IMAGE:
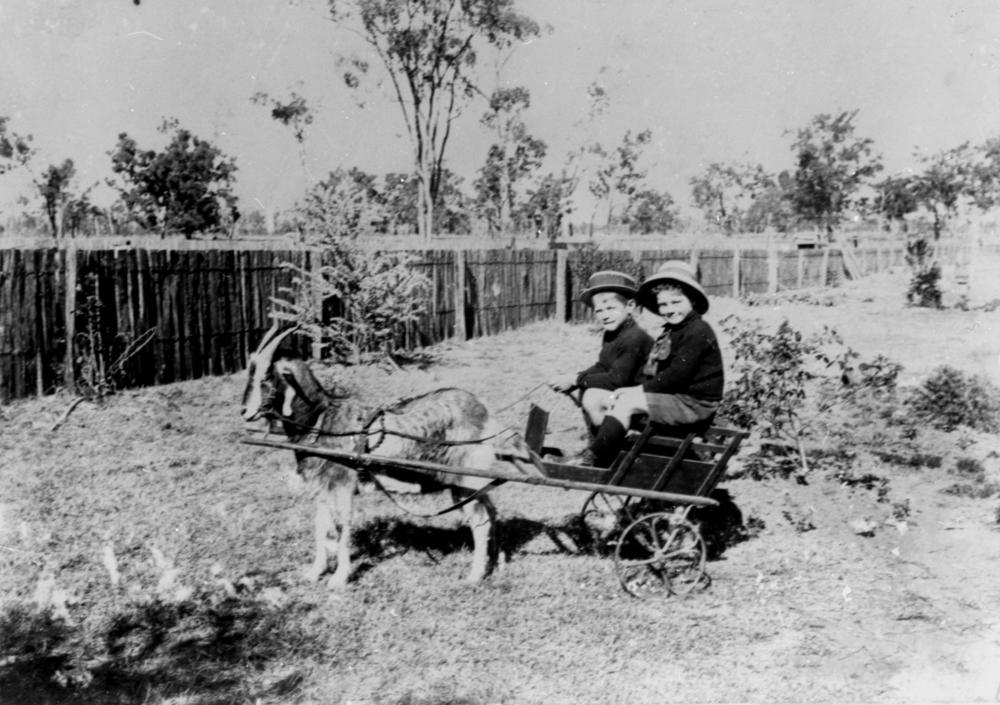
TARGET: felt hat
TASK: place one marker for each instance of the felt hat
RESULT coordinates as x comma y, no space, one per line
675,272
617,282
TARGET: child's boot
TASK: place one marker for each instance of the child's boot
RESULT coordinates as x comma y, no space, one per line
604,448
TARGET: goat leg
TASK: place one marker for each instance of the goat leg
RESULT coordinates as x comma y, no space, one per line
342,498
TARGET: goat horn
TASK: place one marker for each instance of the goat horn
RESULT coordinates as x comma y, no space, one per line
271,332
266,352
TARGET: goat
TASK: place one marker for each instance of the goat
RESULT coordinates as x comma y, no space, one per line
284,388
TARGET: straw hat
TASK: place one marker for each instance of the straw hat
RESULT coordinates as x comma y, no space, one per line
675,272
617,282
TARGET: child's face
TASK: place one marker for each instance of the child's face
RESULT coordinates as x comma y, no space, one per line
673,305
611,310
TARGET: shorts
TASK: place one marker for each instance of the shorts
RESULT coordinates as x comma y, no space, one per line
675,409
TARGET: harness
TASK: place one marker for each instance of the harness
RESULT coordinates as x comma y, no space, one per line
363,445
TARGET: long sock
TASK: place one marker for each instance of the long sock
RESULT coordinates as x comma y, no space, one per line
608,441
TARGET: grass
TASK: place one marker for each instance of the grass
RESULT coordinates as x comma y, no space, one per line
790,615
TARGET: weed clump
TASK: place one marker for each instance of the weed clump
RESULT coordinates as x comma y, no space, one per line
925,286
210,641
950,398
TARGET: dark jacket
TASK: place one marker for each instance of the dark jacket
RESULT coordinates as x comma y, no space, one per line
620,361
686,360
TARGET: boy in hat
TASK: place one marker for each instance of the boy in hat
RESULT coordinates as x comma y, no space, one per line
682,380
624,345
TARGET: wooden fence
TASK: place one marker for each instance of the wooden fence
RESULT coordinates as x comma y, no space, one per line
68,318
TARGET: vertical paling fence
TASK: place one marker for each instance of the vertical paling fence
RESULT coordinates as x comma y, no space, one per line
508,288
812,274
789,270
32,326
754,272
439,267
206,309
718,275
202,312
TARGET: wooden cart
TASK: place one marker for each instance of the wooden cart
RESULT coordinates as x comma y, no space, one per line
642,501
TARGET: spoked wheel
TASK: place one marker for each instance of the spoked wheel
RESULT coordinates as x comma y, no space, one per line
602,516
661,554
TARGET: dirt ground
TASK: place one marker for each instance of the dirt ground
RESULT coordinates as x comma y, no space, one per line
806,610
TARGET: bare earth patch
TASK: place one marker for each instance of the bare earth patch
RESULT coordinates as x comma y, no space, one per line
808,609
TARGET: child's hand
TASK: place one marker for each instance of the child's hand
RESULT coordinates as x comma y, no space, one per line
564,383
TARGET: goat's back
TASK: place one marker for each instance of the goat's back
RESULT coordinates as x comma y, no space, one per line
452,415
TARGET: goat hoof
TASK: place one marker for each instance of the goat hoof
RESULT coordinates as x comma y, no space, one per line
337,582
475,578
312,573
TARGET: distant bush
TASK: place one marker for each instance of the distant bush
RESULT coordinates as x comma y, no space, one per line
950,398
925,288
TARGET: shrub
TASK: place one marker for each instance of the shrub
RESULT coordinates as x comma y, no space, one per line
924,288
772,371
949,398
358,302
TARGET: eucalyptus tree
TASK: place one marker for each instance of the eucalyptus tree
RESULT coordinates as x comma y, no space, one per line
15,149
832,164
511,159
428,50
730,196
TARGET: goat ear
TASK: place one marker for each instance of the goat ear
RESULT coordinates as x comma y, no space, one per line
286,371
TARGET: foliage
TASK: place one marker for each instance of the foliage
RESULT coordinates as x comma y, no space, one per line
347,202
652,212
950,398
831,165
618,172
357,300
944,181
186,188
924,289
739,198
896,198
294,113
429,49
101,364
772,372
213,637
54,188
512,158
547,204
15,149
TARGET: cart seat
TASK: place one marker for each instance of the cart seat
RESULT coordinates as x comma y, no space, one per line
699,428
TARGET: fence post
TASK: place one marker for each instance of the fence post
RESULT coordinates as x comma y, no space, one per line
69,303
562,309
772,270
799,269
825,266
315,264
460,331
736,272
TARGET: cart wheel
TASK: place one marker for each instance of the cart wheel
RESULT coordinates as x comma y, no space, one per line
660,554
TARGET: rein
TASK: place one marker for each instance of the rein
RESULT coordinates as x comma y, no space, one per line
493,484
364,431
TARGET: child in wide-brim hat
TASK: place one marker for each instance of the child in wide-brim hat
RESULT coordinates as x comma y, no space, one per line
682,379
624,345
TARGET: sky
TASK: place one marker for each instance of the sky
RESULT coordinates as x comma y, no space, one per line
713,80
